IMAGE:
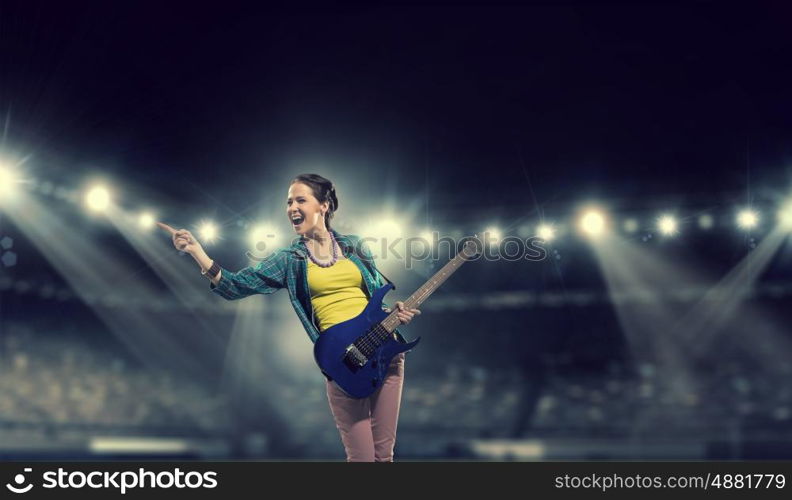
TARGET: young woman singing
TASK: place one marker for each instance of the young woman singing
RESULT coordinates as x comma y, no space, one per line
330,278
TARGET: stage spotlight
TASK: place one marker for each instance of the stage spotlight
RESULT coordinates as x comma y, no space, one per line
592,223
98,199
263,233
747,219
390,228
785,216
384,228
631,225
146,220
492,235
8,180
383,233
427,236
667,225
9,183
208,231
546,232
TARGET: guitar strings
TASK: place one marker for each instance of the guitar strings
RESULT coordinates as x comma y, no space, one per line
372,339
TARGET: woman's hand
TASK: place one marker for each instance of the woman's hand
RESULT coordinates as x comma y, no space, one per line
404,314
183,239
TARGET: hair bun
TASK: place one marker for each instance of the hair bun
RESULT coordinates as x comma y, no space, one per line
333,198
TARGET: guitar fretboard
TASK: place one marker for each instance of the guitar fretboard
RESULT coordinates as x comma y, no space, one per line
419,296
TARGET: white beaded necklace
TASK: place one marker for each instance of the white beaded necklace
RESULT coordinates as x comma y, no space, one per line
335,253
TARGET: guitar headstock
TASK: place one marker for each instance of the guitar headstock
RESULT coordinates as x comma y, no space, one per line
473,246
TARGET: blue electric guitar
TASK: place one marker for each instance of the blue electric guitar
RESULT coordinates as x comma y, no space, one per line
356,354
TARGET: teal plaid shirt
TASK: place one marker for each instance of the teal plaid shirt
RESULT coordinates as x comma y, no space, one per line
288,268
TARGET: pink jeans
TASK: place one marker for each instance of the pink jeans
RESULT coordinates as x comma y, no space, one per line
368,425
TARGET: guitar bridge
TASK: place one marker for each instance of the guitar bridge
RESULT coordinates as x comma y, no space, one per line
353,358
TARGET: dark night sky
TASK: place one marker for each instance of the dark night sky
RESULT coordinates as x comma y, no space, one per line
616,100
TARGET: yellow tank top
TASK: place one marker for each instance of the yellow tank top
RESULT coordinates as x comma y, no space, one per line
336,292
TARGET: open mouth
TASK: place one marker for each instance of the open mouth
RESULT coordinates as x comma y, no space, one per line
297,219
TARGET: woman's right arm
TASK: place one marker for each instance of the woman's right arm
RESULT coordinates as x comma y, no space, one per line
184,241
268,276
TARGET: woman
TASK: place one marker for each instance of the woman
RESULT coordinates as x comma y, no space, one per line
330,278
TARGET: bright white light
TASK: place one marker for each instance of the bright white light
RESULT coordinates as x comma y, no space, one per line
146,220
785,216
98,198
747,219
706,221
263,233
390,228
593,223
384,228
8,181
667,225
631,225
492,234
382,233
546,232
427,236
208,231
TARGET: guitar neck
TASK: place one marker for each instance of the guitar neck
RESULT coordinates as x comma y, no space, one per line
419,296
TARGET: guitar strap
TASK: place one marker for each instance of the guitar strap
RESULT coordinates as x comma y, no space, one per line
371,267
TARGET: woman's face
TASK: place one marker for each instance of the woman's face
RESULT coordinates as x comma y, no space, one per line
304,211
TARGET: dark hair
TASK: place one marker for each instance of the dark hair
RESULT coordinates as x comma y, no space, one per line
323,190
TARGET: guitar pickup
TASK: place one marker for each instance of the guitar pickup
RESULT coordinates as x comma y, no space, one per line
353,358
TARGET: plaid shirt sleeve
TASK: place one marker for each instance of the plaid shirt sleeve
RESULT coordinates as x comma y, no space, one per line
268,276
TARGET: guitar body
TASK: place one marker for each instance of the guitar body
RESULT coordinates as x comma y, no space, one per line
357,371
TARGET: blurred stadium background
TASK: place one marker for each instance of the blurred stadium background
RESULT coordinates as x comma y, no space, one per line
665,335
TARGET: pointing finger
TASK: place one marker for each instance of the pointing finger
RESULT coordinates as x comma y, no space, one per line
166,227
